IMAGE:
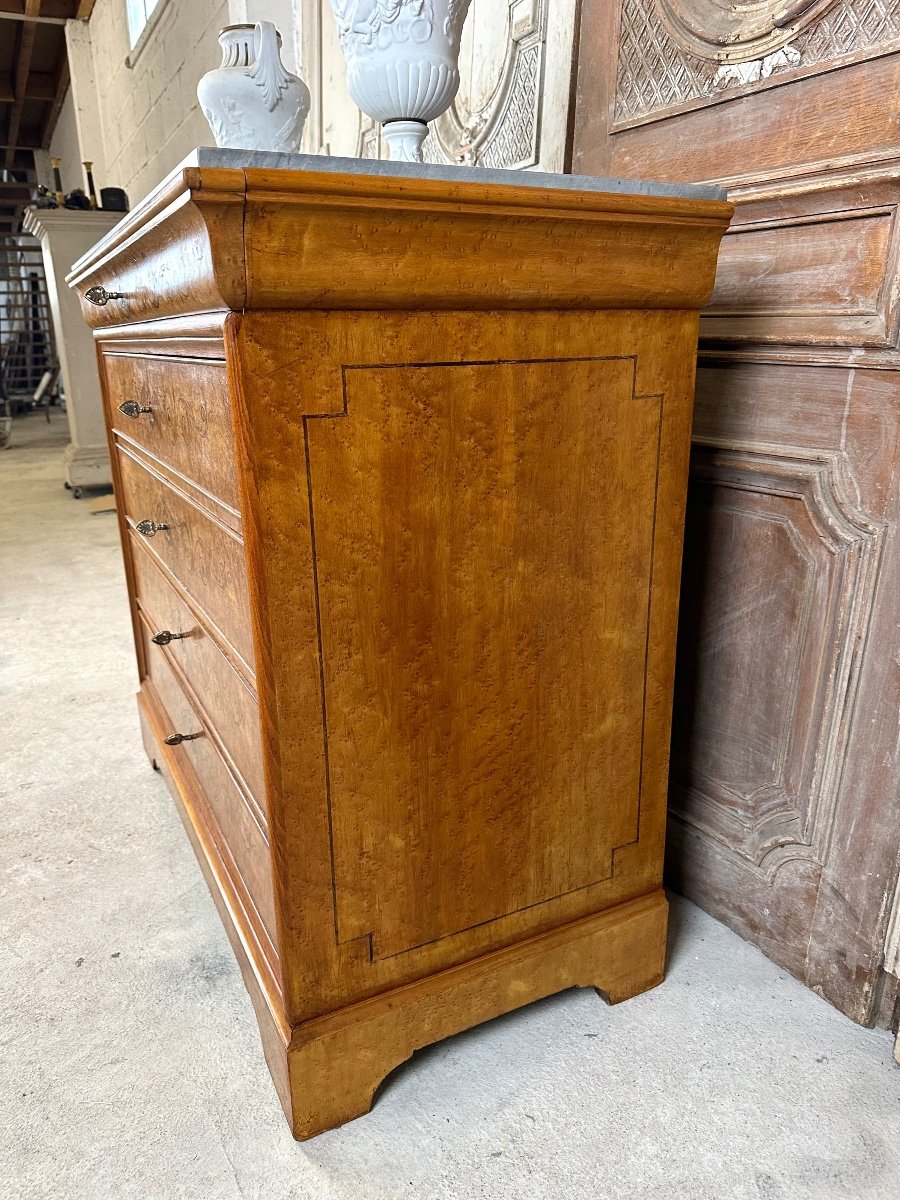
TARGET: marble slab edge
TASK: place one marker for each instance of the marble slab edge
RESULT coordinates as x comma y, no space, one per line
210,156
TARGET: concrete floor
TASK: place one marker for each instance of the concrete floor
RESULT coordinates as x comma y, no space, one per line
130,1059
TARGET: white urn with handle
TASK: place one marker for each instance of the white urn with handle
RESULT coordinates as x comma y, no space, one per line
402,63
252,102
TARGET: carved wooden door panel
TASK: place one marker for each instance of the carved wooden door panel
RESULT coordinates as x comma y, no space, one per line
785,798
512,107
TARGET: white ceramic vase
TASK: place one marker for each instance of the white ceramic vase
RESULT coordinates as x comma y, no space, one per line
402,63
251,101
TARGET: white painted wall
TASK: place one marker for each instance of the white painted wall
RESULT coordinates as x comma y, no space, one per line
136,111
64,143
284,14
148,111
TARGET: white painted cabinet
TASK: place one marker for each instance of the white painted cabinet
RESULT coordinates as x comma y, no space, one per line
65,235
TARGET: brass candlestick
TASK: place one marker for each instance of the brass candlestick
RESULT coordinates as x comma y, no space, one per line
88,170
56,163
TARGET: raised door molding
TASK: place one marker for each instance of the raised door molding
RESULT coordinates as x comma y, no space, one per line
836,229
892,955
777,648
892,947
784,815
756,300
512,110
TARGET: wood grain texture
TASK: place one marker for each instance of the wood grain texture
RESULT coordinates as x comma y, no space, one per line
189,425
785,776
464,527
234,827
298,579
199,551
806,905
178,253
766,267
432,634
486,245
222,691
337,1062
254,949
493,246
787,126
812,260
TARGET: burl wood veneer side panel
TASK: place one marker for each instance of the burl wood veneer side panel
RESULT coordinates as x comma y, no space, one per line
289,371
474,641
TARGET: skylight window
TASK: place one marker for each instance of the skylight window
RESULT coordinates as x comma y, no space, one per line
138,12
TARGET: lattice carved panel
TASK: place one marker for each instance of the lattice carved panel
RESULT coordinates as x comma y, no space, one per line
499,126
515,89
667,63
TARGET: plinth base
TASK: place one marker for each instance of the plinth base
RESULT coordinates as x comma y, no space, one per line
335,1063
86,466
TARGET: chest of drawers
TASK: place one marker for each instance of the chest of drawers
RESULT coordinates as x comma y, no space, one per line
400,464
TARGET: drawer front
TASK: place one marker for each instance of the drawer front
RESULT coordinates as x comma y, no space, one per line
204,556
236,823
225,697
189,422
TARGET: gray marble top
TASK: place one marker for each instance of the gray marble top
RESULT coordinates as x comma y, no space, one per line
212,156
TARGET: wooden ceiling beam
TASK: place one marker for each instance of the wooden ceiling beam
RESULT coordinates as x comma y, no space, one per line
23,66
51,10
17,13
41,85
